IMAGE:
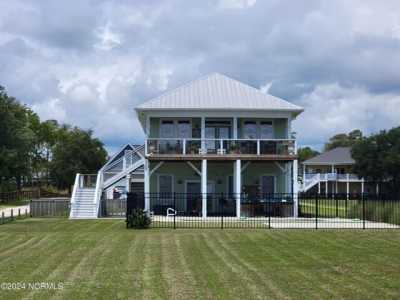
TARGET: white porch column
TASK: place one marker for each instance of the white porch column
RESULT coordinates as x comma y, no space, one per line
326,186
203,134
319,187
295,188
128,183
362,186
237,171
204,188
347,186
146,185
235,128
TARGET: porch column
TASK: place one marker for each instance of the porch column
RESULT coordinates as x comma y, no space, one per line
362,186
377,188
128,183
347,187
235,128
237,171
146,185
295,188
204,188
203,134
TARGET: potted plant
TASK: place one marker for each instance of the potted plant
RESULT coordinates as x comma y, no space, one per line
234,148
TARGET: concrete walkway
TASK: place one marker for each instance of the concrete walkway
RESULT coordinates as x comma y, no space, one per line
7,211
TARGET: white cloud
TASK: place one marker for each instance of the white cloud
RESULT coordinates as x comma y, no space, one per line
108,39
236,4
331,108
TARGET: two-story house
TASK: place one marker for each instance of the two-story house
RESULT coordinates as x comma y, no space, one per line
216,136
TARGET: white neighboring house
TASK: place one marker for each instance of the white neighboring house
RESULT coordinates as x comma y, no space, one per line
331,172
211,136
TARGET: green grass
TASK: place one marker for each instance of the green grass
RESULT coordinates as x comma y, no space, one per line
102,259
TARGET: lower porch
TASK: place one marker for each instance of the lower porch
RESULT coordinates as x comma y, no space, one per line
213,188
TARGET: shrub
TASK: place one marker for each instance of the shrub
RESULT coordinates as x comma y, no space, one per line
138,219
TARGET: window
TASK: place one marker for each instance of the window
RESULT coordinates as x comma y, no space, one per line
184,129
266,130
165,188
167,129
250,130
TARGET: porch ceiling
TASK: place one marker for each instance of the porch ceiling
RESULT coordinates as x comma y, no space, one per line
217,157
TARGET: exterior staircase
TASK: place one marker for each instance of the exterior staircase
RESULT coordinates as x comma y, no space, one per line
83,204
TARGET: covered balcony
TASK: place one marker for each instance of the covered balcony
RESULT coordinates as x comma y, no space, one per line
196,148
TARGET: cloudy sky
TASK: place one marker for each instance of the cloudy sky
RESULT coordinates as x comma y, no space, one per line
89,63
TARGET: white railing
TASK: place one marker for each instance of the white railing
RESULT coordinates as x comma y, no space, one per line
98,191
76,185
191,146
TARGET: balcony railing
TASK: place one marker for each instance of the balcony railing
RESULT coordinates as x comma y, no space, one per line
330,176
165,146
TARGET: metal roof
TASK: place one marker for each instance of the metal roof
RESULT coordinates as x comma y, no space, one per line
337,156
217,92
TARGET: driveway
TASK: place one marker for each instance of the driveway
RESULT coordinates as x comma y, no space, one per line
7,211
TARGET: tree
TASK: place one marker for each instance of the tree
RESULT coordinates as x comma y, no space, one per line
377,158
76,151
344,140
16,140
306,153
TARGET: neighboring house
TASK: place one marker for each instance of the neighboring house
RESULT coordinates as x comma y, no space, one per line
331,172
212,136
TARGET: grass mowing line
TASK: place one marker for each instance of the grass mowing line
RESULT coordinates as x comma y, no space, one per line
295,260
233,276
55,262
153,283
202,268
178,288
109,259
15,247
80,272
185,268
241,268
135,264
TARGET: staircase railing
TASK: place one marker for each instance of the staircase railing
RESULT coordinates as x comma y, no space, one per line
76,184
98,191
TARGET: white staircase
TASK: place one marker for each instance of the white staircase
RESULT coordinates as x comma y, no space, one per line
83,207
83,202
309,181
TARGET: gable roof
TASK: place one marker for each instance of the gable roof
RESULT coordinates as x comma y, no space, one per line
337,156
217,92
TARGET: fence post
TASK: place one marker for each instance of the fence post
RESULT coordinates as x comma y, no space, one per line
2,217
12,214
222,210
337,205
174,210
19,213
316,211
269,211
363,210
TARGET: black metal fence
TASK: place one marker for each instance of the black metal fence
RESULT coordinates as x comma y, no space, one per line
313,211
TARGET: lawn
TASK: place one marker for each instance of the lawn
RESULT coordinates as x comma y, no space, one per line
102,259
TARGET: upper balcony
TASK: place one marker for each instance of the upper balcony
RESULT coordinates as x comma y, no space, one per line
220,149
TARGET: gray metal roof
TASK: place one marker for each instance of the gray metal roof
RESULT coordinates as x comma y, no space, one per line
217,92
337,156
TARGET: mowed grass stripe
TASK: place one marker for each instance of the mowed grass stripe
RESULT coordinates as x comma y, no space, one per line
102,259
248,273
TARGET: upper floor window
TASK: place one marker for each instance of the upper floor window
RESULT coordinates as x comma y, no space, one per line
175,129
258,130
